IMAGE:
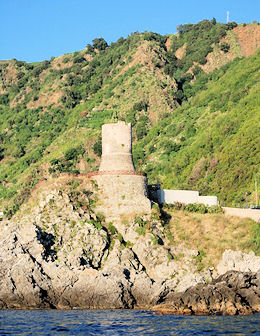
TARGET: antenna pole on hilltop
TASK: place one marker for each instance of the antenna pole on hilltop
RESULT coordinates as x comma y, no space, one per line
227,16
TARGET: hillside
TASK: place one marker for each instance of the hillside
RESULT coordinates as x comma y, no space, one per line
192,98
210,143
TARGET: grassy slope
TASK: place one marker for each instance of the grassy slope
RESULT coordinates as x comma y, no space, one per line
212,234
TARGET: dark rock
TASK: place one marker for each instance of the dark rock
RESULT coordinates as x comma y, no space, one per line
233,293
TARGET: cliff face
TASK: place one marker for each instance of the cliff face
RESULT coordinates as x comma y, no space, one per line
56,252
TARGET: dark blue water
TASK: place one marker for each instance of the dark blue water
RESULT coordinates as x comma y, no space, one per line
122,322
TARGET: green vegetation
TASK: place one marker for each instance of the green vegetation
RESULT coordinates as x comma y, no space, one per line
199,260
197,41
210,143
225,47
194,207
254,240
190,129
143,225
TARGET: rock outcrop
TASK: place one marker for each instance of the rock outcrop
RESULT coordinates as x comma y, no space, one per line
35,275
238,261
57,252
234,293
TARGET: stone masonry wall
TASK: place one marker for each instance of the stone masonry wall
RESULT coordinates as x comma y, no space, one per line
122,194
117,147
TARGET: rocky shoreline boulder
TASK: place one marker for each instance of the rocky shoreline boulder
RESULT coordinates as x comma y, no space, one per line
233,293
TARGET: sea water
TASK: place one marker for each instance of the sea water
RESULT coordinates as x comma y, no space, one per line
122,322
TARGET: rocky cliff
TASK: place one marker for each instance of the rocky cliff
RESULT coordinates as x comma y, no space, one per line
56,252
233,293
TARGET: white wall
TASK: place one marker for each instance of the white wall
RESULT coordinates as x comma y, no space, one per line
208,200
182,196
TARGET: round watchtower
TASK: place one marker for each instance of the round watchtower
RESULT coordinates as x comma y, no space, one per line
117,147
122,189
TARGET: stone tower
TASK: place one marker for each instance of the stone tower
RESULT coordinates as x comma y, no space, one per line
122,189
117,147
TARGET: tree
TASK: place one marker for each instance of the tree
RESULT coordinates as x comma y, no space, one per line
90,49
231,25
99,44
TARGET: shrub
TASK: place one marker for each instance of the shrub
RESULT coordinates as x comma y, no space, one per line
141,231
198,260
11,210
215,209
97,224
225,47
98,148
128,244
142,105
131,117
155,239
120,237
193,207
66,60
112,228
90,49
78,59
142,226
4,99
1,152
71,154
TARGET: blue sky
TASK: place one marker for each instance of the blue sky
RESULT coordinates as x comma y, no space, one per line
34,30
